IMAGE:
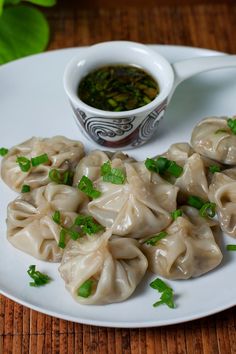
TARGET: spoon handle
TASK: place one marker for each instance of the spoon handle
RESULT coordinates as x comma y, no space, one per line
187,68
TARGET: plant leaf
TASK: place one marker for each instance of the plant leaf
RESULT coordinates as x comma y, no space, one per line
11,2
46,3
23,31
1,6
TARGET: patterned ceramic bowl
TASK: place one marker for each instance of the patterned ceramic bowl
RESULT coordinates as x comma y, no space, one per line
134,127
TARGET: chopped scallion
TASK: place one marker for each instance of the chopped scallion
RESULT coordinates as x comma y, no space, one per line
112,175
24,163
38,277
232,125
62,238
3,151
176,213
85,289
231,247
86,186
167,294
208,209
88,224
162,165
214,168
57,217
25,188
154,239
39,160
195,201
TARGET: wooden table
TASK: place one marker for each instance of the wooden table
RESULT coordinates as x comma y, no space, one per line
209,25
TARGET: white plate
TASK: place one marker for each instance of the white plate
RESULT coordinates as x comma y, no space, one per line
32,102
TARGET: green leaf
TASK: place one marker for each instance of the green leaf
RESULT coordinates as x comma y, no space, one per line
11,2
46,3
23,31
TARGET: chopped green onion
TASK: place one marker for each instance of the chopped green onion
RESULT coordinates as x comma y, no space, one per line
167,298
24,163
88,224
154,239
231,247
195,202
232,125
167,294
176,213
38,277
55,175
57,217
59,177
220,131
39,160
86,186
62,238
208,209
151,165
85,289
3,151
162,165
74,235
214,168
174,169
112,175
25,188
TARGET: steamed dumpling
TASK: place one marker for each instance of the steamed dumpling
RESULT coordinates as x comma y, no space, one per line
137,208
223,193
64,154
90,165
213,138
188,250
114,265
30,227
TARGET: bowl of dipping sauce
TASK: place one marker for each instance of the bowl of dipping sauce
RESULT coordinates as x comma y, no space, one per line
118,92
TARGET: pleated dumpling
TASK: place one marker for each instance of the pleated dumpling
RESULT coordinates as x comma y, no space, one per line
63,154
137,208
112,267
90,165
222,192
214,139
188,249
30,226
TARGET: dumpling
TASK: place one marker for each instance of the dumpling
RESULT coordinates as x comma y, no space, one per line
137,208
213,138
91,164
64,154
115,266
30,227
222,191
196,175
188,250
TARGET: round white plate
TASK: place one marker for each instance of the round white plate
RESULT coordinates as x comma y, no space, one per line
32,102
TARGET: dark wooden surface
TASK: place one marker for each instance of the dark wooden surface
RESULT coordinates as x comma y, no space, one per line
209,24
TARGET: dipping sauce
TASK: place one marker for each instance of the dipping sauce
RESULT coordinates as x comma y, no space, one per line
117,88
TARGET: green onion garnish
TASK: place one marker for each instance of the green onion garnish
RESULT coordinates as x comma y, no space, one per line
3,151
88,224
74,235
176,213
57,217
167,296
112,175
231,247
86,186
25,188
154,239
24,163
61,177
162,165
85,289
62,238
38,277
214,168
208,209
232,125
39,160
195,202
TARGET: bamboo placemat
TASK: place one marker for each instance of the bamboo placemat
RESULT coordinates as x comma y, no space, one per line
202,25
